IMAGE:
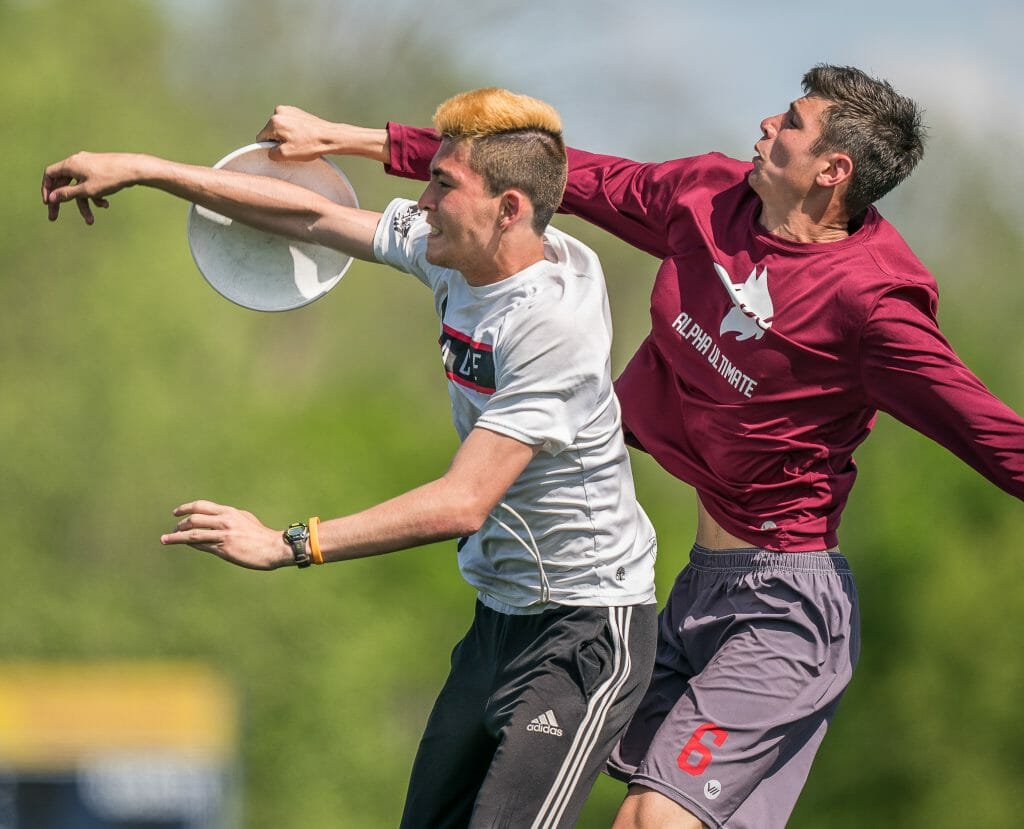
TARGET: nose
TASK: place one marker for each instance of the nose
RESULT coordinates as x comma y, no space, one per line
770,126
426,199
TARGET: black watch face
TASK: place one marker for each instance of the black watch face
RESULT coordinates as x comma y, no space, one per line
296,536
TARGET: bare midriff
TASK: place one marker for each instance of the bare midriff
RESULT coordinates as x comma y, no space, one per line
711,535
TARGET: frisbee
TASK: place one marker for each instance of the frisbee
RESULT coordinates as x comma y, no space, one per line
259,270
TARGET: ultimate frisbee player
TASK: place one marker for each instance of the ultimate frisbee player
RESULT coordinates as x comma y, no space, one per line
540,491
785,314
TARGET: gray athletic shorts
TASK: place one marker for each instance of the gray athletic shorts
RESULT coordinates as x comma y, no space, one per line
530,711
755,648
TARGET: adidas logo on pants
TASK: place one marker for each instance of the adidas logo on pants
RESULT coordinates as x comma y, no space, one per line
545,724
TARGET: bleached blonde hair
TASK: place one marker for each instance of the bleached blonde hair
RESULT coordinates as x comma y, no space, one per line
491,110
515,142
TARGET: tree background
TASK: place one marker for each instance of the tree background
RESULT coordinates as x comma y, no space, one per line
129,386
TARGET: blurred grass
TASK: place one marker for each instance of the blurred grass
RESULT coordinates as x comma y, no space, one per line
129,386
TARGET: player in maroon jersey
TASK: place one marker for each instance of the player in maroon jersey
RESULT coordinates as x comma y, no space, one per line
786,312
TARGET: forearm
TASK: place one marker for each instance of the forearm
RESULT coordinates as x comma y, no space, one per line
366,142
456,504
302,136
432,512
265,203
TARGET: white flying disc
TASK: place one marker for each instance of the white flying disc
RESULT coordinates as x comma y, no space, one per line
259,270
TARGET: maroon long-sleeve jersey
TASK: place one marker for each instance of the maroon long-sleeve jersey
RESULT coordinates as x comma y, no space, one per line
767,359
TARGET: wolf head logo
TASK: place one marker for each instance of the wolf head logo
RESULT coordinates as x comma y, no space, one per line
752,311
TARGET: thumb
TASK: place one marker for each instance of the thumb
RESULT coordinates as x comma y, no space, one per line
66,193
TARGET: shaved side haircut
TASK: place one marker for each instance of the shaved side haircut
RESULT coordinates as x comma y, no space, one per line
515,143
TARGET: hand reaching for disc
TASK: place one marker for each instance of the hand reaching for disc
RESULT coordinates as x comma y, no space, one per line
300,136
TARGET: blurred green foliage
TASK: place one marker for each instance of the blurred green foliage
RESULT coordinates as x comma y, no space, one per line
129,386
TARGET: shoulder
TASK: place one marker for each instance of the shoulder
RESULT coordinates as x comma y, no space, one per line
572,279
700,173
401,218
570,253
712,184
401,242
722,165
891,264
563,314
870,265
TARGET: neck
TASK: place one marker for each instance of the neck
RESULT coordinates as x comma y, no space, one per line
798,226
803,225
509,259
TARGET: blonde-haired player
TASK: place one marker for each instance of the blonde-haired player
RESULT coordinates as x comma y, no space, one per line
524,147
539,493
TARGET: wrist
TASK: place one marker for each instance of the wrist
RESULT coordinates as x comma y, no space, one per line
296,539
147,170
366,142
283,555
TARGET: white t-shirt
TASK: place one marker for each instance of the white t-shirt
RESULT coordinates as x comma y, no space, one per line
528,357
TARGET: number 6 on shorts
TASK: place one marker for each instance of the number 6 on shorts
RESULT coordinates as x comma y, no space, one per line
694,746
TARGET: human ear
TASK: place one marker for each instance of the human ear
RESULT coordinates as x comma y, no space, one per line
839,169
511,208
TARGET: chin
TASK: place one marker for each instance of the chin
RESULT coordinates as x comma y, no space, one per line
435,258
754,180
432,255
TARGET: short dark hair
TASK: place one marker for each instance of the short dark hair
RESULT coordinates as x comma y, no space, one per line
515,142
882,131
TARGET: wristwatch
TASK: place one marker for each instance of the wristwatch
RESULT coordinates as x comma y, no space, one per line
296,537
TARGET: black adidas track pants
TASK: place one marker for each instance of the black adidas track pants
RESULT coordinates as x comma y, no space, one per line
530,711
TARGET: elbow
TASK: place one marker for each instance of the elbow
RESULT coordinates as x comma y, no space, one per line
462,504
467,519
465,511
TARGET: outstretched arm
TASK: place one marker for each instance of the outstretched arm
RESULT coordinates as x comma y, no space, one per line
913,373
268,204
454,505
629,199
